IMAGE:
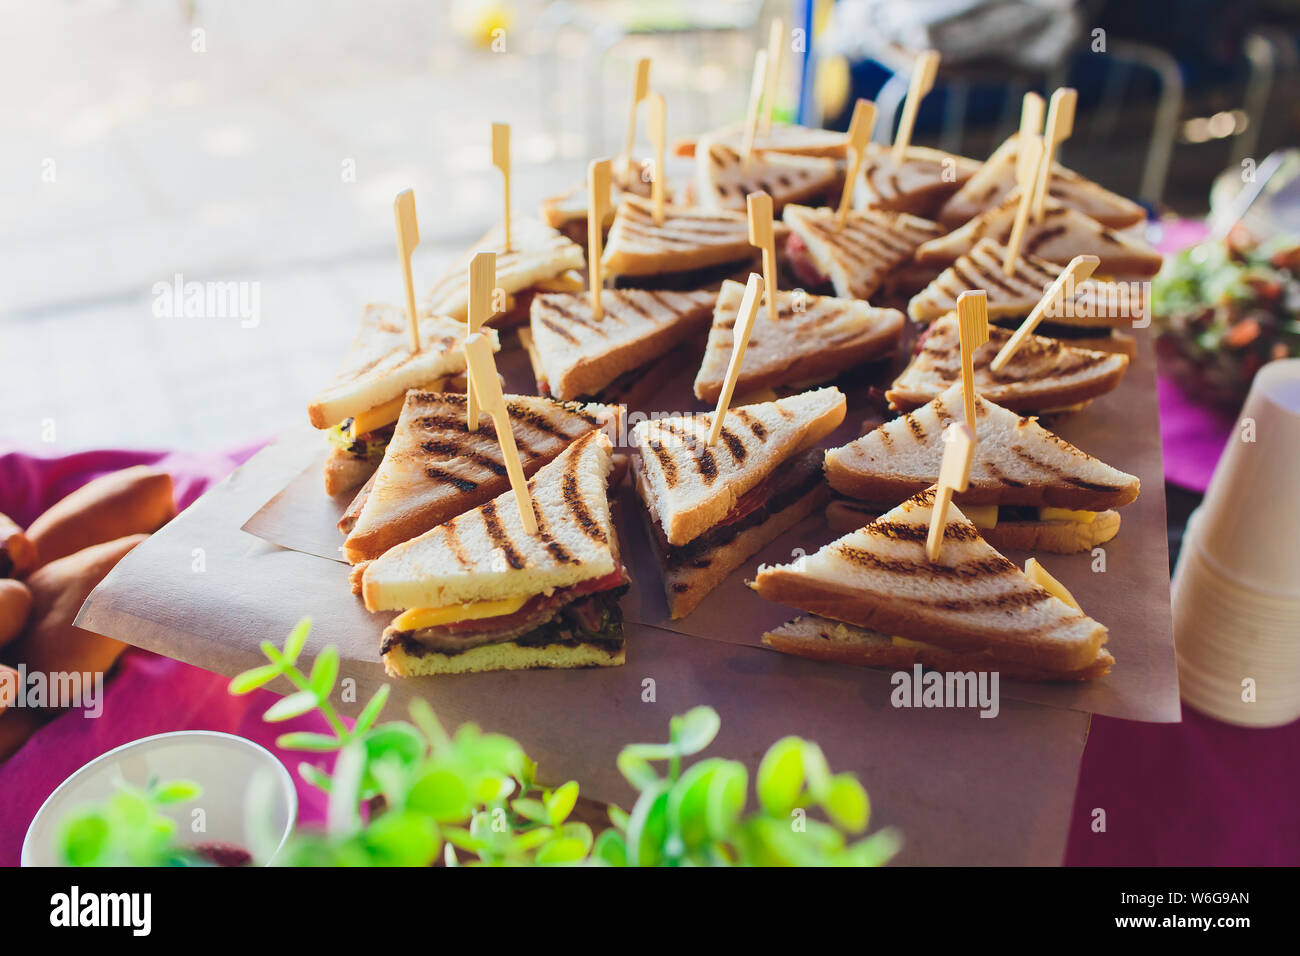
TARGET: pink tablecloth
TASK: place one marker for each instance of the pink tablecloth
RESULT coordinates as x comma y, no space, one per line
1199,792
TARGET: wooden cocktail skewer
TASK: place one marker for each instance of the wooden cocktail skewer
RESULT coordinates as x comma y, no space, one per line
478,353
775,55
1027,157
639,91
597,205
408,237
761,235
501,160
482,280
973,327
860,127
655,122
924,71
954,476
1080,268
1060,124
740,333
755,99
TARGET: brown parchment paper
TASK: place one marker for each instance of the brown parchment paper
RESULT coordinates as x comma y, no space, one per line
1131,596
963,790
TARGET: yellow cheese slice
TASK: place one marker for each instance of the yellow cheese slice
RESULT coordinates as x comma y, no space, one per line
982,516
1065,514
568,281
904,642
418,618
1036,573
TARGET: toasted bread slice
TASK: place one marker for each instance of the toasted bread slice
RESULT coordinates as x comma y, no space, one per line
570,207
1016,461
1043,375
782,138
1094,304
537,252
858,256
996,179
344,473
1016,534
723,178
691,486
436,468
918,185
410,660
689,239
580,355
821,639
970,599
485,554
814,338
1059,236
380,367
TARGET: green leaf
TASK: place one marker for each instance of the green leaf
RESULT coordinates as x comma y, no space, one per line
561,851
314,775
610,849
636,770
442,794
780,776
530,809
295,705
297,638
562,802
647,827
274,656
696,729
324,672
846,803
349,769
370,714
250,680
429,724
617,816
817,773
396,739
728,791
307,741
875,850
688,802
402,839
83,839
177,791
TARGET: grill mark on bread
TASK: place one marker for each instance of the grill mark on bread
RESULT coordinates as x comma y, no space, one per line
986,569
436,446
703,457
734,445
755,426
497,535
464,485
1060,473
556,549
577,507
666,463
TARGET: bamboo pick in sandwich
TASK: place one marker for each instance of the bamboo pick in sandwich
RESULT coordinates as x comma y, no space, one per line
775,54
761,235
408,237
597,206
973,327
740,333
639,91
1027,157
478,353
655,120
482,279
755,98
924,71
1080,268
1032,110
1060,124
501,160
860,127
954,475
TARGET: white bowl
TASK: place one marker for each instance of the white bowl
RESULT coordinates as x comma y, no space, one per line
222,764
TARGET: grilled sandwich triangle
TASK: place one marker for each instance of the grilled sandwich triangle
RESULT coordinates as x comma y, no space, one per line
485,554
1016,461
924,179
996,180
814,338
436,468
858,256
537,253
1043,375
380,366
579,355
782,138
1059,236
1015,295
723,178
689,238
970,599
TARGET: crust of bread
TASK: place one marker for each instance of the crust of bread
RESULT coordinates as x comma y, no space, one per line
905,399
1116,342
829,641
508,656
343,473
686,586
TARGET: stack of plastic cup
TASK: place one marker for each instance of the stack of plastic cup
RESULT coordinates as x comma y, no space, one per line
1236,589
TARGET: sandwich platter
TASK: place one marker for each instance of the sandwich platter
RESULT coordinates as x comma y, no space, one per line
559,510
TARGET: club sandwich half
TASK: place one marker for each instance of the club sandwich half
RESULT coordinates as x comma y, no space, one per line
781,138
919,185
878,600
711,507
479,593
723,177
362,403
1029,490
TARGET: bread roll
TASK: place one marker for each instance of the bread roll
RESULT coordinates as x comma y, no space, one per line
17,553
15,602
131,501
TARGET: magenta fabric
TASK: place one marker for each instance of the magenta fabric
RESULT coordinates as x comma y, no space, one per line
146,694
1199,792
